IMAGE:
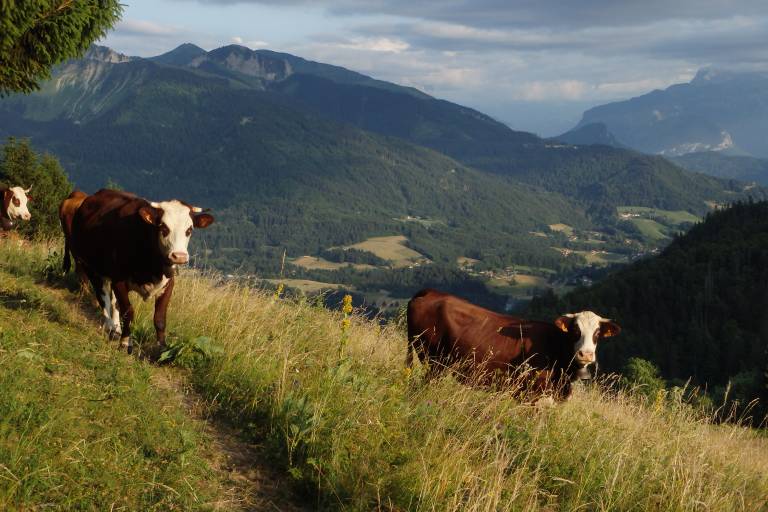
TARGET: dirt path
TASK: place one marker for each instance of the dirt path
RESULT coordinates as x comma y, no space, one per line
251,483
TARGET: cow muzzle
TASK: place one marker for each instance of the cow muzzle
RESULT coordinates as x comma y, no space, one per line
178,258
584,358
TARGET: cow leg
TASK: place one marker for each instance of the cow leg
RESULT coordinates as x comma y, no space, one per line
102,288
161,309
120,293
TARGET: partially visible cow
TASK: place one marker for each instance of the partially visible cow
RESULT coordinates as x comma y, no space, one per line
125,243
67,211
444,330
14,206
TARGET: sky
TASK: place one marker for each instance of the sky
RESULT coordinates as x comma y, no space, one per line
534,64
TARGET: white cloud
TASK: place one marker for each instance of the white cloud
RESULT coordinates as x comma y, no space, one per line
145,28
253,44
375,44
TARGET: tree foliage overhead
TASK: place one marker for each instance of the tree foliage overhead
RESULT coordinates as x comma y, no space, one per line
21,166
38,34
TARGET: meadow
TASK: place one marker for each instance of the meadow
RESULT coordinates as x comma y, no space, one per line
327,395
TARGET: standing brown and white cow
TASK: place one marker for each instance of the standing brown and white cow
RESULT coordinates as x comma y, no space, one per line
14,206
125,243
444,330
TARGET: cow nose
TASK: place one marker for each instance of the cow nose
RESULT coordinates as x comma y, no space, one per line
179,257
26,216
585,357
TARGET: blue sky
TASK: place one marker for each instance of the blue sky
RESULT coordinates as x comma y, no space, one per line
534,64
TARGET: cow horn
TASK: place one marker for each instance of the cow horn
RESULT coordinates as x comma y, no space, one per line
26,191
154,204
196,209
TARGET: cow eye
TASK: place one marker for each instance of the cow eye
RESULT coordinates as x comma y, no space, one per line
189,232
164,229
16,201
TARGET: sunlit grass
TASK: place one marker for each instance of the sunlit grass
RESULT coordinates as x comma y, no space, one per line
359,432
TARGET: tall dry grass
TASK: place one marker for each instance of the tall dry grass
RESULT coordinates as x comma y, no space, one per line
361,433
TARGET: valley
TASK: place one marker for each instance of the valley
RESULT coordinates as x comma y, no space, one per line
327,179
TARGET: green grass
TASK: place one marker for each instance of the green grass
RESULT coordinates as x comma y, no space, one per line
81,425
364,434
669,216
361,433
650,229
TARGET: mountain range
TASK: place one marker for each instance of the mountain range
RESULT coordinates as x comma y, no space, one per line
721,111
307,156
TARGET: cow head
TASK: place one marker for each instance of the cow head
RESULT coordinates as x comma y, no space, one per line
15,201
585,329
174,221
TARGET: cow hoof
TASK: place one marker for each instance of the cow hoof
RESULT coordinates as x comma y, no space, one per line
114,335
130,349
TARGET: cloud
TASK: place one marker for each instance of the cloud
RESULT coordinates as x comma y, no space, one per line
253,44
135,27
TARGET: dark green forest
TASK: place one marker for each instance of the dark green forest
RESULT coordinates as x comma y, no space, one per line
698,310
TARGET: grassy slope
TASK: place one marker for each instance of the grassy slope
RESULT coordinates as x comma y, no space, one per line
364,434
81,425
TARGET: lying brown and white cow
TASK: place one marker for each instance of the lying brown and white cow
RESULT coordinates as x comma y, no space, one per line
125,243
444,330
14,206
67,210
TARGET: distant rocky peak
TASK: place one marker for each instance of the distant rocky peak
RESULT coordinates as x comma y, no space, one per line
104,54
248,62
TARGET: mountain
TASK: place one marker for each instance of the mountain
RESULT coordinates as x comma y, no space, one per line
307,156
716,111
742,168
594,134
697,310
279,176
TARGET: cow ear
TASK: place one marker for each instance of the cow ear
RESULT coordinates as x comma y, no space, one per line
608,329
202,220
29,197
148,215
563,323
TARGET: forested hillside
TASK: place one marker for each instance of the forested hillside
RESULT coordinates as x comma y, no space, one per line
303,157
698,309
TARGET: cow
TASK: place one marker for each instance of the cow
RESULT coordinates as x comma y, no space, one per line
67,211
125,243
444,330
14,206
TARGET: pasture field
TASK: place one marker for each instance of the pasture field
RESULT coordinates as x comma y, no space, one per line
521,284
651,229
334,407
673,217
317,263
561,228
390,248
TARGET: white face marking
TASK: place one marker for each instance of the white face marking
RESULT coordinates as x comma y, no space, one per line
19,211
175,235
585,348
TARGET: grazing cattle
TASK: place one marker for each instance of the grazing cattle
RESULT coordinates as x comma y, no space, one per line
14,206
444,330
125,243
67,211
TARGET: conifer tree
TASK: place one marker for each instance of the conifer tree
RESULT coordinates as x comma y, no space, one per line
38,34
